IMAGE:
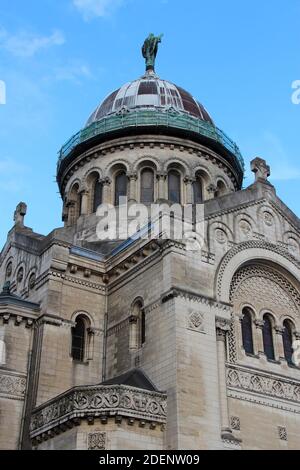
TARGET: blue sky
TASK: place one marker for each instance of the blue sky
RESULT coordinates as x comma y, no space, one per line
60,58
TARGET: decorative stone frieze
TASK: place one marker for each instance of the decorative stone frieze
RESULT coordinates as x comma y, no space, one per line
239,378
12,385
97,401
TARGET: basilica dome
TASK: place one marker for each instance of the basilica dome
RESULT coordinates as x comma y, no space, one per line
150,92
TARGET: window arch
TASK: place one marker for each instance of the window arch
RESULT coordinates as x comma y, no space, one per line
120,186
247,333
97,195
8,271
268,337
75,200
79,339
198,190
174,186
147,185
287,338
221,188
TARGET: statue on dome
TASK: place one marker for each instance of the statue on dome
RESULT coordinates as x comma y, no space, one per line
149,50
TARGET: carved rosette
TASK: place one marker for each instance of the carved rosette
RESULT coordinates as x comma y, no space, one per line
196,321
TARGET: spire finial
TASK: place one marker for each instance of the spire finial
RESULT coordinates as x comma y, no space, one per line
149,50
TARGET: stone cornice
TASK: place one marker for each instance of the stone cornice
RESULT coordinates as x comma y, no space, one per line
196,297
145,141
97,401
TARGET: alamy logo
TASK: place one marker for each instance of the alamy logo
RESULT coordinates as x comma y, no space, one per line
157,221
296,94
2,92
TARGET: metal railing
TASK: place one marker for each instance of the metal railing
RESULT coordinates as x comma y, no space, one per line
153,118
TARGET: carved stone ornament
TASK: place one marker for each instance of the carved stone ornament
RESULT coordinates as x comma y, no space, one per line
220,235
268,219
196,321
90,401
245,227
97,441
12,386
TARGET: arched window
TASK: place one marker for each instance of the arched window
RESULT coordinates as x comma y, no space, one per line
137,326
143,328
268,337
78,339
120,187
247,334
287,338
147,186
221,189
198,191
75,207
97,196
174,186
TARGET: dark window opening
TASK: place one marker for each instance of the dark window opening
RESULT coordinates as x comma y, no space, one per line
121,187
198,192
147,186
287,338
143,328
247,333
97,196
268,338
78,340
174,186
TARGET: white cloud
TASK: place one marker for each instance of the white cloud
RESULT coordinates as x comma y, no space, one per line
96,8
72,72
282,168
25,44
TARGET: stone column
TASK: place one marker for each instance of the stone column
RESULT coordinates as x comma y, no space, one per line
278,344
222,328
189,189
106,197
162,189
132,190
258,338
133,332
84,202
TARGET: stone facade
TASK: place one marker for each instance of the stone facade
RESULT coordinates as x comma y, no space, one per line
208,392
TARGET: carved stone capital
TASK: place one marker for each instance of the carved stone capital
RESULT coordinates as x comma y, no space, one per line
162,175
105,181
132,176
279,330
222,328
188,180
259,324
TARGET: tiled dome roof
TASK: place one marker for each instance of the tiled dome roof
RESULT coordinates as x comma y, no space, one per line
150,92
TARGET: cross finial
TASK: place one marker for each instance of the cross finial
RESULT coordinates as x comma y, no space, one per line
260,169
20,213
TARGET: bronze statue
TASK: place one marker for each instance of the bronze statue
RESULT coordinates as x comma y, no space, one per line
149,50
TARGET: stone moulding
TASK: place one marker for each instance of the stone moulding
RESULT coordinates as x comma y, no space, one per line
264,385
97,401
